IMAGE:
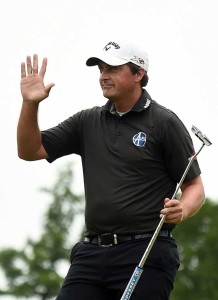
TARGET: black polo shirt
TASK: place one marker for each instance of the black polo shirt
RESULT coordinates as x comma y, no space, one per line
130,163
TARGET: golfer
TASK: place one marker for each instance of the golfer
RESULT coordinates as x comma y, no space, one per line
134,152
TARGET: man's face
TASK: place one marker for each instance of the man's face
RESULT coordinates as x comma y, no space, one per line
116,81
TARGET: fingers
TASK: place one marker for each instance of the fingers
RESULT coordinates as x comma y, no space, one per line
171,203
32,67
23,70
173,211
29,65
35,64
43,67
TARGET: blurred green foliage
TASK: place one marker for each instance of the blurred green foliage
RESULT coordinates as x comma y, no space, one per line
33,271
197,240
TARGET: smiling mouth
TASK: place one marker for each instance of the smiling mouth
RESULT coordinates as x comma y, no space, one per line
106,86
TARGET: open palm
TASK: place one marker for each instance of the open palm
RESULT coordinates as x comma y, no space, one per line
32,81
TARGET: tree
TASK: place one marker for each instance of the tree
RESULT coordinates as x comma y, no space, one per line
198,248
33,271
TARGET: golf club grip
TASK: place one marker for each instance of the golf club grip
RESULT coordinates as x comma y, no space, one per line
132,283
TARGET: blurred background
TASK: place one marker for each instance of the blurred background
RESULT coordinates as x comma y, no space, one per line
181,40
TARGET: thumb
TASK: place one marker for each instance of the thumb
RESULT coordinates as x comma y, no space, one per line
49,87
166,200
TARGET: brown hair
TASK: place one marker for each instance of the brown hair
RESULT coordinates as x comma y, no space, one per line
134,69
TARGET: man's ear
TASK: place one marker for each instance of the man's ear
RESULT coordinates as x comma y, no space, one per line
140,74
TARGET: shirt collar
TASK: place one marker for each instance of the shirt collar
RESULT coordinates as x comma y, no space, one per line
142,104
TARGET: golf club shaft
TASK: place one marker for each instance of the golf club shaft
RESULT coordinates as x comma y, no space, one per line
139,269
155,235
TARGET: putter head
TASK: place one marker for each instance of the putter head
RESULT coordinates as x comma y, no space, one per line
201,136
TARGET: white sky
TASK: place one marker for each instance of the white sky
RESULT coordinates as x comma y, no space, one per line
181,40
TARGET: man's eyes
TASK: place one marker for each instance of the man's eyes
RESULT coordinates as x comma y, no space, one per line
114,68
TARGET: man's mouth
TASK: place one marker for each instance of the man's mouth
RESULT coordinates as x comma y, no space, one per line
106,86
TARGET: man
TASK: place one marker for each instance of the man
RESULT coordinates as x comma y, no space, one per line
134,152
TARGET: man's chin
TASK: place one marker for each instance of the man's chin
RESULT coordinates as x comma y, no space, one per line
107,95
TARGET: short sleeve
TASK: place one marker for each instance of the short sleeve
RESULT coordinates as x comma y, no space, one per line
178,148
63,139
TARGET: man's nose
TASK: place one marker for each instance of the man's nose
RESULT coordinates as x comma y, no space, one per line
104,75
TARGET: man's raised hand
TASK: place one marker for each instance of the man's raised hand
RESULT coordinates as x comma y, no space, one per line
32,81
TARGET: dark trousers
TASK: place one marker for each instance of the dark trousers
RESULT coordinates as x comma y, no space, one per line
102,273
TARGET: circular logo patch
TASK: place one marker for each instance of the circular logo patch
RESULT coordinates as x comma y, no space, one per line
139,139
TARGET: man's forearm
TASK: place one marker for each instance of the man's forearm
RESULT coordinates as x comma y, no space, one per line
193,197
28,133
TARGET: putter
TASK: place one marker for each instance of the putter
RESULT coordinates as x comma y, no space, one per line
139,269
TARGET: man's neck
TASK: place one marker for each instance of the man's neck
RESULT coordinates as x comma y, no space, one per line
125,103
